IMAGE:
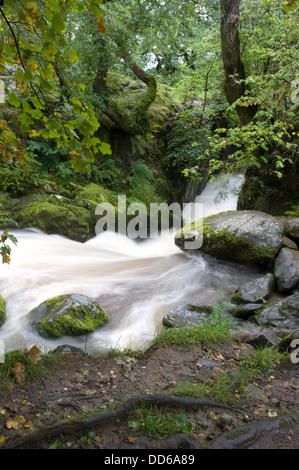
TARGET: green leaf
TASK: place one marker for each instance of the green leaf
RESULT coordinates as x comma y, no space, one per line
13,100
58,23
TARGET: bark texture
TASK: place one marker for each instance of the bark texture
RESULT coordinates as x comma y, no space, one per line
233,66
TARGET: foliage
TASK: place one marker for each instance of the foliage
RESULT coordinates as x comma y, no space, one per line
269,53
157,423
215,331
17,178
36,58
5,249
188,141
23,366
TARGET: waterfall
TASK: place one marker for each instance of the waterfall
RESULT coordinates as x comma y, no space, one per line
136,282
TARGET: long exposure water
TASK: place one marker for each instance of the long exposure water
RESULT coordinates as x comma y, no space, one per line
136,282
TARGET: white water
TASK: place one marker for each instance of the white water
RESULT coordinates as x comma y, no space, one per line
137,283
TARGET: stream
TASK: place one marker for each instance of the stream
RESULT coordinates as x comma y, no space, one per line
136,282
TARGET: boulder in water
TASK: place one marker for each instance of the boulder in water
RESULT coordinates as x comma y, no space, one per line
67,315
187,315
246,237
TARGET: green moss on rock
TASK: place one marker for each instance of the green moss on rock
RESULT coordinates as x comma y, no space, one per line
57,216
68,315
2,311
246,237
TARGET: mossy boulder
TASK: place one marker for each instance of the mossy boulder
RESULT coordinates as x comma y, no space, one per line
245,237
67,315
57,216
2,311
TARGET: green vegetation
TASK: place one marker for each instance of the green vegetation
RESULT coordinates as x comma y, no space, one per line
215,330
156,423
218,387
22,367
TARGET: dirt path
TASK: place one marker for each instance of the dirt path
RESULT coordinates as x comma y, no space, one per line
84,384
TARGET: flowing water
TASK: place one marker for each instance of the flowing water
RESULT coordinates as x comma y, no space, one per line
136,282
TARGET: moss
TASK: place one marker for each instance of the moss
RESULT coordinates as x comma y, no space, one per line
74,320
226,244
52,215
231,247
2,311
91,192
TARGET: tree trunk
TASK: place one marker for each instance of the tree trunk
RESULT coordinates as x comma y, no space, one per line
233,66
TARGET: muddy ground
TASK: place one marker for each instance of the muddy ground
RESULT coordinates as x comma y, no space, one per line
82,385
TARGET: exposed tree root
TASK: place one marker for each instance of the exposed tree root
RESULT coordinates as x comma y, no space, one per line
102,419
177,441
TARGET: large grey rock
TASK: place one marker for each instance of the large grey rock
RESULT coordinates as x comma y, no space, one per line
286,270
187,315
255,291
246,237
293,229
265,339
67,315
284,314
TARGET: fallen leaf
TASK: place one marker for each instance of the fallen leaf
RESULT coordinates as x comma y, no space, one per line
3,439
218,369
18,371
16,422
132,439
34,354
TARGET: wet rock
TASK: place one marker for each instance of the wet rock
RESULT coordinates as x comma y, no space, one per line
255,291
283,314
293,229
246,237
265,339
187,315
68,349
286,270
67,315
288,243
246,311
